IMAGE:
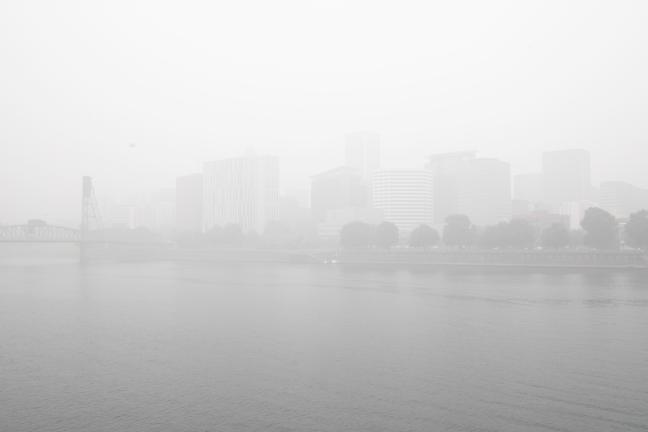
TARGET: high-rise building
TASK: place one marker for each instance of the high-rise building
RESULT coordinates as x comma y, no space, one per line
405,197
336,189
622,199
189,202
363,152
160,210
297,217
566,176
529,187
484,191
575,212
446,170
242,191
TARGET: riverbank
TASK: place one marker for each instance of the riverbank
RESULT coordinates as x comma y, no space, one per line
402,257
496,258
215,255
398,257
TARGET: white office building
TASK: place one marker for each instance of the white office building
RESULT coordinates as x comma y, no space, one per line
406,197
242,191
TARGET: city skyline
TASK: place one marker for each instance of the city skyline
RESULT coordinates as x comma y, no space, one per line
118,184
156,204
150,92
323,215
244,192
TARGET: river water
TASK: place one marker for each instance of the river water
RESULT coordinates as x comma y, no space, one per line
200,347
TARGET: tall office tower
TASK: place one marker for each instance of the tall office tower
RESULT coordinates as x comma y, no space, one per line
622,199
160,210
243,191
189,202
446,170
336,189
406,197
363,152
484,191
566,176
528,187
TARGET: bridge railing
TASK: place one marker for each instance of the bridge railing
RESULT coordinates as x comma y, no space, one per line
39,234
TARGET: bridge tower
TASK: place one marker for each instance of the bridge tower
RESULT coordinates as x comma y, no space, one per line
89,213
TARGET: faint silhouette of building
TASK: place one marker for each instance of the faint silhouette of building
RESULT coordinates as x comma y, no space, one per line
120,216
189,202
542,220
529,187
156,211
521,208
575,211
301,195
297,217
622,199
406,197
480,188
153,211
338,188
566,176
363,153
163,209
243,191
484,191
330,228
447,169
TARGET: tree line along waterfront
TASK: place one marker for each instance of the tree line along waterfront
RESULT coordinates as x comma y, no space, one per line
600,230
601,242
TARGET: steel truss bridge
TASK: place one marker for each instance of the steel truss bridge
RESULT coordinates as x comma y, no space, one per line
39,234
37,231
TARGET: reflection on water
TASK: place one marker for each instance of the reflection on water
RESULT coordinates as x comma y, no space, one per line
193,347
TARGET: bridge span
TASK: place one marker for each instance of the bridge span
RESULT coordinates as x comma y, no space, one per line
39,234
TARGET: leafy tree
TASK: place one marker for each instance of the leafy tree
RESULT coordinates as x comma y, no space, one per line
636,230
424,236
519,233
556,236
356,235
493,236
386,235
458,231
576,238
600,229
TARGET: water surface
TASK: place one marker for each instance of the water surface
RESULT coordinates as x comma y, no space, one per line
201,347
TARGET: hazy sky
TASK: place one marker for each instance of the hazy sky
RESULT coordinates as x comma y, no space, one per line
189,81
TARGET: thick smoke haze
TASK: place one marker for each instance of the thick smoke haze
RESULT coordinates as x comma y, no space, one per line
323,215
135,93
